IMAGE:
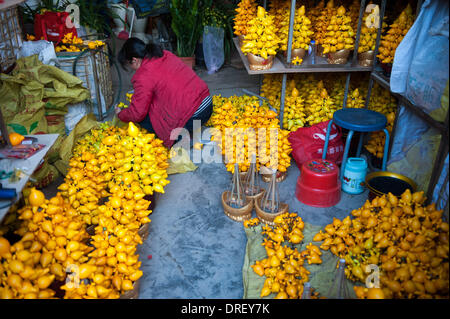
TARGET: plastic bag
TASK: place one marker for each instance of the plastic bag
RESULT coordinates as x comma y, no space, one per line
75,113
180,162
52,26
213,48
424,51
44,49
307,143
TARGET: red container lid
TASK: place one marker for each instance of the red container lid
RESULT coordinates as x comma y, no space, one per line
318,197
319,174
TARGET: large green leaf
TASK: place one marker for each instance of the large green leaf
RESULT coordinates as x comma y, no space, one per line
18,128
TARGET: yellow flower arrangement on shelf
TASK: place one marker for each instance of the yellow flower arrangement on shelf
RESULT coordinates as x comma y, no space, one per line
395,35
246,11
302,30
261,38
339,33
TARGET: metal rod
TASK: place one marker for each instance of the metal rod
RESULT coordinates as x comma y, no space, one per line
438,162
394,127
4,130
377,42
283,95
347,85
358,32
369,92
97,86
291,31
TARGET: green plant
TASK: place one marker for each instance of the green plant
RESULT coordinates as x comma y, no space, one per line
95,15
214,17
226,12
186,24
27,13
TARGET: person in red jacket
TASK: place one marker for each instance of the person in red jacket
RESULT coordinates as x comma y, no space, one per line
167,93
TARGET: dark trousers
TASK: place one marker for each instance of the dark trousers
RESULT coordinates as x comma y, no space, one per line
203,117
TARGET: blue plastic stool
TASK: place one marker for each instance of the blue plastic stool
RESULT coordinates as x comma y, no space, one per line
359,120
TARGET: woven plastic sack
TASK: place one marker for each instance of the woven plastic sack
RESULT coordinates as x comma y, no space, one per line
424,51
321,276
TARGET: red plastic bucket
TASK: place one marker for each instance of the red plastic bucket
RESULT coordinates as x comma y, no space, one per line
318,184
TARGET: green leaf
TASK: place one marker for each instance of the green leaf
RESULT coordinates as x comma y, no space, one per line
18,128
33,126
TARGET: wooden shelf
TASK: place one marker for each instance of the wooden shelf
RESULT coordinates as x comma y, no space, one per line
321,65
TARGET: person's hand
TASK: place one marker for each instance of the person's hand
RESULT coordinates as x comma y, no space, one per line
117,110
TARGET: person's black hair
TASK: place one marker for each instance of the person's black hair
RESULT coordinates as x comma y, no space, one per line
136,48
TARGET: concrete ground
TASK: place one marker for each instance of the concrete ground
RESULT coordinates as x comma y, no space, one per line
194,250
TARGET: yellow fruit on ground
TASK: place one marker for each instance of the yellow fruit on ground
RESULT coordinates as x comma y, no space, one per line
36,197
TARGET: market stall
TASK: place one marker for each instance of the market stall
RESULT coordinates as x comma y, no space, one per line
311,188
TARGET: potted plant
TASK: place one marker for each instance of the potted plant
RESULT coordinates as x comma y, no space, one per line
187,26
95,18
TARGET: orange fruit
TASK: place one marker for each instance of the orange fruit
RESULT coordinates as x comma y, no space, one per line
375,293
16,138
36,197
4,246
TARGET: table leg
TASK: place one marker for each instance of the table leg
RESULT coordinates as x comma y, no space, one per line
386,149
360,143
327,137
344,158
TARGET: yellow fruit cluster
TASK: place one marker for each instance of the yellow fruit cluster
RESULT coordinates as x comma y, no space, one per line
271,89
320,106
353,13
116,166
278,9
132,165
302,30
294,111
339,33
368,36
261,38
71,43
314,12
53,237
355,100
322,20
407,240
246,11
256,131
397,31
306,107
251,222
283,267
375,144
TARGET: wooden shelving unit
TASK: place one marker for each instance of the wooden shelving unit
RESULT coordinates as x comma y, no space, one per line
320,65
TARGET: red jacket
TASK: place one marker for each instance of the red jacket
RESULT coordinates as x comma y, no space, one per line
168,91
